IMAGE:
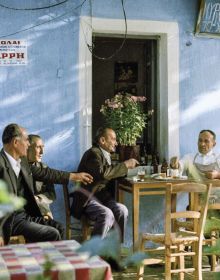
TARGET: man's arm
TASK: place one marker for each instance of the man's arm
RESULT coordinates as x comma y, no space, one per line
213,174
49,175
94,163
83,177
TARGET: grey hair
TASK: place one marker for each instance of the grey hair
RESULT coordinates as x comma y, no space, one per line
10,131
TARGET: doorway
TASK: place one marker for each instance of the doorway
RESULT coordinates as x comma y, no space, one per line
140,57
168,75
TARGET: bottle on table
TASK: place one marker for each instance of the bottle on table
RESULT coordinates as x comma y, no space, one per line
145,156
157,157
142,158
164,166
154,165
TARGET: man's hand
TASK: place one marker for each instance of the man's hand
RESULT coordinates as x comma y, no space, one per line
131,163
212,174
48,216
83,177
1,241
174,163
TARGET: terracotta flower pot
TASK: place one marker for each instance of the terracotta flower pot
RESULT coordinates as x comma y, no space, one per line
126,152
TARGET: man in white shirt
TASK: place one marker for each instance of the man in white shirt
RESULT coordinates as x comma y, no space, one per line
205,163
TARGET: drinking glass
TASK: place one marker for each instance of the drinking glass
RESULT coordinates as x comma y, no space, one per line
141,173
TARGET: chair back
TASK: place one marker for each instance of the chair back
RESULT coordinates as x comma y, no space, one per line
212,228
183,230
191,220
67,211
86,225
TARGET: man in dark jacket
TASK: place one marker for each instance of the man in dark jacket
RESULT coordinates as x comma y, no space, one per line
95,201
44,193
19,176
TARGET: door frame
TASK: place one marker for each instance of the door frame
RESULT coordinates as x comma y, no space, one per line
168,75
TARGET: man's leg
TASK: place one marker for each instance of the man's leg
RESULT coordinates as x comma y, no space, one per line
101,215
120,212
34,229
56,225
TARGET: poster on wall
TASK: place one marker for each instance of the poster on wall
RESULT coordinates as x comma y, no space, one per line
126,77
13,52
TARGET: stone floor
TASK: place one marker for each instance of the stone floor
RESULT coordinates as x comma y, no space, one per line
157,273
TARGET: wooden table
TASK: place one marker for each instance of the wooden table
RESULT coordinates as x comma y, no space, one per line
147,187
25,261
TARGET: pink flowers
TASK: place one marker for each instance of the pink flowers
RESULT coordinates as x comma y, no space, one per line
117,101
126,116
114,103
138,98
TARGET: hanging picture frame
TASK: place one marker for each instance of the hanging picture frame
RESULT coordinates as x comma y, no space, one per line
208,23
126,72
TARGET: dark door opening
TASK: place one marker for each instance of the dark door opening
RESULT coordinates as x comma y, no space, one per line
137,53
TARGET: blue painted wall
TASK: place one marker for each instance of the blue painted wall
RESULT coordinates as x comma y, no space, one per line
43,95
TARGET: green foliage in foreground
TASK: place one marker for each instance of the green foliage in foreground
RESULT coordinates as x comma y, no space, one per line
215,249
110,248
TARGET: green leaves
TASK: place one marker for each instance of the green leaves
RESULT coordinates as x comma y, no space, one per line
215,250
212,223
124,114
110,248
8,202
134,259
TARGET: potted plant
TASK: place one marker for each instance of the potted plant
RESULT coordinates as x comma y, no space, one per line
125,115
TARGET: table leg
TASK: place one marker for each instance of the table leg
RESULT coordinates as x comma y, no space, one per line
136,204
120,194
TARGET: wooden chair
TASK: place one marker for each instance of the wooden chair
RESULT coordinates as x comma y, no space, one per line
17,239
86,226
213,233
183,230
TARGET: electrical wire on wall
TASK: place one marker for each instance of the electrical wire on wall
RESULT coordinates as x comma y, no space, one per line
33,9
42,23
92,47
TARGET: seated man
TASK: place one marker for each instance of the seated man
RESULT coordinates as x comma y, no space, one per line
44,193
19,177
205,163
95,201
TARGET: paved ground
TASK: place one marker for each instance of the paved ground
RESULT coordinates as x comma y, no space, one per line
157,273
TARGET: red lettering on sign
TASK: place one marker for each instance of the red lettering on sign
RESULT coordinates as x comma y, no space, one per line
12,55
20,55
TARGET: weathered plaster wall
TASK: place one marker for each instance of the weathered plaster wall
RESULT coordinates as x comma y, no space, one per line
43,96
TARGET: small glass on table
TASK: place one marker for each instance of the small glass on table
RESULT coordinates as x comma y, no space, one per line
141,173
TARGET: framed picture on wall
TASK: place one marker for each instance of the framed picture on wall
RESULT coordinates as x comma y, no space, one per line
126,72
125,88
208,23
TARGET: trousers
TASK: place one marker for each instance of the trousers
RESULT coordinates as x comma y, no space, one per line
34,229
106,215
